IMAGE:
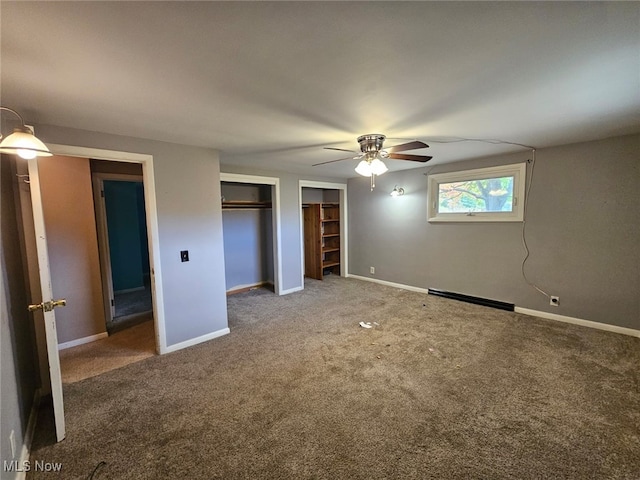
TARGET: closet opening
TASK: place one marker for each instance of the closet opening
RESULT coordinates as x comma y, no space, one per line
322,232
248,233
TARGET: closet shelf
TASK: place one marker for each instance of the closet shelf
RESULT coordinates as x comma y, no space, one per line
321,239
330,264
239,204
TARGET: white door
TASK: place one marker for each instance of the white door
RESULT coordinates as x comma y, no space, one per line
48,303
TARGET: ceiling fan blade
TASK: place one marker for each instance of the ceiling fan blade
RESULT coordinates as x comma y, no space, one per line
339,149
337,160
407,146
413,158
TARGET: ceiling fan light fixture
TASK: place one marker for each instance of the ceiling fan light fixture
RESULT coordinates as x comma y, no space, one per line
371,160
378,167
364,168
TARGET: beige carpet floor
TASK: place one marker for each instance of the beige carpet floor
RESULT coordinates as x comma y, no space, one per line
436,389
116,351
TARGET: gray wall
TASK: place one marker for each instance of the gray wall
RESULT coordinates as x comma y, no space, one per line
290,218
248,248
319,195
187,181
583,225
19,375
248,237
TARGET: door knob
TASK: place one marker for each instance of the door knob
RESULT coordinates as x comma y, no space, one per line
48,306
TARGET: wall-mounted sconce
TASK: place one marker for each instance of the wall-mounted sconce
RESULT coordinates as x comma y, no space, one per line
397,192
22,141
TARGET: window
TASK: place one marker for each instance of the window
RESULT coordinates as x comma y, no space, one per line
494,194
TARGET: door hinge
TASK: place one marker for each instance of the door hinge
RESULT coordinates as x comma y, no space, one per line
102,193
112,303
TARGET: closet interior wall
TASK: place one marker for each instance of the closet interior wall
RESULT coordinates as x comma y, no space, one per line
248,236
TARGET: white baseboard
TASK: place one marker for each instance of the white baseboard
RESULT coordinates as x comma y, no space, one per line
579,321
194,341
524,311
81,341
25,451
390,284
291,290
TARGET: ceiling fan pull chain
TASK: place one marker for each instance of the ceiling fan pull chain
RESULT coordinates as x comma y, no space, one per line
373,181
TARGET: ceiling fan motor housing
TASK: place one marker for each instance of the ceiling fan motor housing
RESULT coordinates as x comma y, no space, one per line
371,142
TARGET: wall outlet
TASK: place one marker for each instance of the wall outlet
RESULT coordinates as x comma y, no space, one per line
372,270
12,441
554,301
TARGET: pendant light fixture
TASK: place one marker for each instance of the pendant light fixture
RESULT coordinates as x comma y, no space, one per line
22,141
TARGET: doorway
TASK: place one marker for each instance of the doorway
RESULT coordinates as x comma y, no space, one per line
267,187
323,229
123,245
48,355
247,223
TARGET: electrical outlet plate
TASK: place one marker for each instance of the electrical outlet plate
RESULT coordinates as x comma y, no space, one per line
554,301
372,270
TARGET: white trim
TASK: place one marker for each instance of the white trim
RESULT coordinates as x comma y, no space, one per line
194,341
242,178
579,321
98,153
391,284
275,209
82,341
152,222
292,290
344,222
25,451
518,171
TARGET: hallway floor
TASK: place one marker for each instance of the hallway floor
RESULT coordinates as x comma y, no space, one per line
119,349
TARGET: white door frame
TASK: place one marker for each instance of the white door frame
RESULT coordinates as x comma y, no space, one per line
344,222
275,219
98,179
152,223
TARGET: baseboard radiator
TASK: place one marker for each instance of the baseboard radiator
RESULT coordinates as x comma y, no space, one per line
470,299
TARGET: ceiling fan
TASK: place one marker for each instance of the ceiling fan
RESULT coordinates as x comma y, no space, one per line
372,153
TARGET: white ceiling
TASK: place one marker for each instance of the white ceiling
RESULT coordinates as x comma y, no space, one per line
269,84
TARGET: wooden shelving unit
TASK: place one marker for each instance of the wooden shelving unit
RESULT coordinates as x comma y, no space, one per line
321,239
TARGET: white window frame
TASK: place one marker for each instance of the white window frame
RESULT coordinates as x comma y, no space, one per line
518,171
